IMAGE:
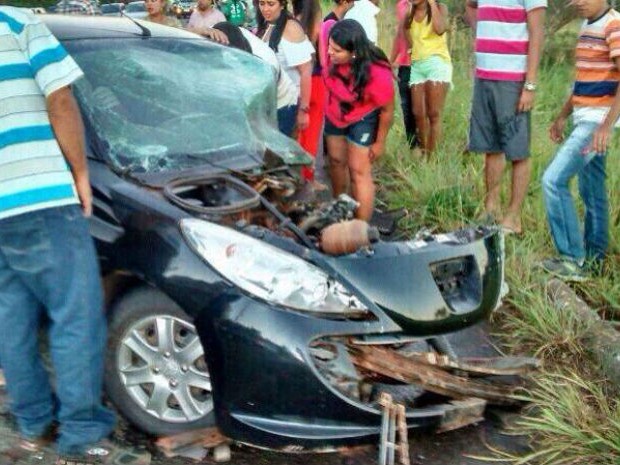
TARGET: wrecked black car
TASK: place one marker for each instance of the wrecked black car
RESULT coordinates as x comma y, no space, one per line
225,307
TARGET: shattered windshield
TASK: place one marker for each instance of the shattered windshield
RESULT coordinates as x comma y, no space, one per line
158,105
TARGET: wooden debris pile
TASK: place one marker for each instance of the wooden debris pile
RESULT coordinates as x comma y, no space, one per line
455,378
195,445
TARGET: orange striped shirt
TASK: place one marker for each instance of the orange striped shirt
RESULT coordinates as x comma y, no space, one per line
597,77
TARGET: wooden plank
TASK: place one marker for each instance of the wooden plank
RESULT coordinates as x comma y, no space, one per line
2,380
462,413
399,367
207,437
501,366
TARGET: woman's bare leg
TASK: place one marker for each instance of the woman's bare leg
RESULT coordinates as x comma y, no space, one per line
362,185
435,99
338,166
418,107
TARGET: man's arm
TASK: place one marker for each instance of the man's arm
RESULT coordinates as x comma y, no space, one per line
535,27
556,131
602,135
66,122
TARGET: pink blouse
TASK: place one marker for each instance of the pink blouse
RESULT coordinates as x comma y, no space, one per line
378,92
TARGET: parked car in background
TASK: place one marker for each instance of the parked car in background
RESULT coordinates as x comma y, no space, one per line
182,8
136,10
225,306
112,9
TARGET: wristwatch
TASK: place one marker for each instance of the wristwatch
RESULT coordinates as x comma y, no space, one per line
529,86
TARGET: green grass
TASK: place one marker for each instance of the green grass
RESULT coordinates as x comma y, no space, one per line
571,420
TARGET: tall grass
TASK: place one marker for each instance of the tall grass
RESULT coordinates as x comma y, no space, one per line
571,420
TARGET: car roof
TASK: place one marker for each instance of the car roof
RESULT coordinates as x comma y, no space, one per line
71,27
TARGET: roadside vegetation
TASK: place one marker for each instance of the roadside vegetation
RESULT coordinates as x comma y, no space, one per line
574,416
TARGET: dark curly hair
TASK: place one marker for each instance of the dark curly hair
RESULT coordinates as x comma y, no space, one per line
350,35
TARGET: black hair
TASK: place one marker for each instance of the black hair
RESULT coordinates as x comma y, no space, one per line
235,36
350,35
278,30
306,11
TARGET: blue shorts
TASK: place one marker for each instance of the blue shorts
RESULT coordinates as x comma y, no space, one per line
363,132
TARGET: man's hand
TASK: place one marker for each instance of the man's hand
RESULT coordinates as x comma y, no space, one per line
556,131
85,194
601,138
526,101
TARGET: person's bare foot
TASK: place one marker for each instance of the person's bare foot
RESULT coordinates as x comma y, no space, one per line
511,224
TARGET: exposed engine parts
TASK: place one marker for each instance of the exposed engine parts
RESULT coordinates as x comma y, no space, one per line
251,201
347,237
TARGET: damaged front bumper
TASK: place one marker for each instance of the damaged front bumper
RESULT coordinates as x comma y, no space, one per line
287,380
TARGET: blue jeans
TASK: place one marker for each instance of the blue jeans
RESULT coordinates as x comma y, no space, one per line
48,267
569,161
287,119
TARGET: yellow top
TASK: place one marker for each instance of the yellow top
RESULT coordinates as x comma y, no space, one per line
426,42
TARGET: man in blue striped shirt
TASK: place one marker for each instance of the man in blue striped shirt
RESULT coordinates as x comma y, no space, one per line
47,258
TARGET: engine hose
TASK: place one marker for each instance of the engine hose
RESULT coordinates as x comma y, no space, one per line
252,200
286,222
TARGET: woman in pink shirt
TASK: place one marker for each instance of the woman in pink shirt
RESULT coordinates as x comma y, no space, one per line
359,110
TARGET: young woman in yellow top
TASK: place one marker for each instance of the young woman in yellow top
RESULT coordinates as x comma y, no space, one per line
431,67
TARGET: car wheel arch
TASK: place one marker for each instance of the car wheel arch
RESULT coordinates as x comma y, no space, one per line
138,304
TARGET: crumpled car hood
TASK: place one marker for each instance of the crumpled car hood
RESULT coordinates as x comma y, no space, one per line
430,286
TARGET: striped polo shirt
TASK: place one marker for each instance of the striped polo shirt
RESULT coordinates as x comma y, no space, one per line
33,172
596,80
502,38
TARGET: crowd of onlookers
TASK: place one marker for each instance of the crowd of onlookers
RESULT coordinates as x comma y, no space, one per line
335,91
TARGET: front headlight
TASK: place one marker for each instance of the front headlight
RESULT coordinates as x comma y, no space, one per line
268,272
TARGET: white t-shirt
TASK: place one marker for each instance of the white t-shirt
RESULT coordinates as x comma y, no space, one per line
288,93
292,54
365,12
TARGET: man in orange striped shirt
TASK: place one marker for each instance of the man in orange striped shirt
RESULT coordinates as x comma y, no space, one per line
595,107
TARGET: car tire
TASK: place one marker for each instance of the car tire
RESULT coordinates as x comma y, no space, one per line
155,370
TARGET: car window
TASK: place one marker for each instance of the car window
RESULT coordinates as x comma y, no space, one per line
209,104
110,8
135,6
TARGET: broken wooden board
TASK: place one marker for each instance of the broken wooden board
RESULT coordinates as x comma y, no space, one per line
434,379
460,413
501,366
174,445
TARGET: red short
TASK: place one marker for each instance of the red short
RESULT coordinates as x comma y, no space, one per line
309,138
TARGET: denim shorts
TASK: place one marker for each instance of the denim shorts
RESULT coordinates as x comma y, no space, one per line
433,68
363,132
495,125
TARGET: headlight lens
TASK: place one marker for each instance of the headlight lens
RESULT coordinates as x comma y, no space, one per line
268,272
